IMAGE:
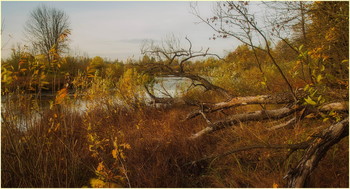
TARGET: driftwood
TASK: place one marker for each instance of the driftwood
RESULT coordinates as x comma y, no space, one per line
298,176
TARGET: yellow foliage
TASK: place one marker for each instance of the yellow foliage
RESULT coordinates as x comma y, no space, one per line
125,146
130,85
61,94
97,183
115,153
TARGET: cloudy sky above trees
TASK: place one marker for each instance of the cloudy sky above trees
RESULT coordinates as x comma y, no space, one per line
116,30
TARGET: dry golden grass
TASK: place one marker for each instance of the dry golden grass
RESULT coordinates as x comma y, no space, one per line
55,152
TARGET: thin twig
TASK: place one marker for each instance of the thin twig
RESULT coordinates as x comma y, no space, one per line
302,145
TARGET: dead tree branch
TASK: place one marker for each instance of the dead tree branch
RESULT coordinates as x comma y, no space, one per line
173,60
241,101
298,176
245,117
289,123
302,145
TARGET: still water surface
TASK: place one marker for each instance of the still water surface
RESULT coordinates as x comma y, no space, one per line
163,87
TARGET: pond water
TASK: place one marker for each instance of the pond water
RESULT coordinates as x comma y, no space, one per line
163,87
173,86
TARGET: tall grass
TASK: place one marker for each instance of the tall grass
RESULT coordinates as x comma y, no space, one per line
62,148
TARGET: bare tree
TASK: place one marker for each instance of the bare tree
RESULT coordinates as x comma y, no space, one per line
46,29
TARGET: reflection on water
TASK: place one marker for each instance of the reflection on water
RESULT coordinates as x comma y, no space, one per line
173,86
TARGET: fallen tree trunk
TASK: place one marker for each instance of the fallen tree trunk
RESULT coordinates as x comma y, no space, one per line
315,152
280,98
252,116
335,106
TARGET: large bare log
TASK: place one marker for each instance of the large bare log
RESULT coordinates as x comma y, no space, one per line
335,106
278,98
240,101
298,176
252,116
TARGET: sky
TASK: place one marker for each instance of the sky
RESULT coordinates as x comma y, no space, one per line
117,29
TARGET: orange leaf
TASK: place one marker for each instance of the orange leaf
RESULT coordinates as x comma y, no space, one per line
275,185
61,94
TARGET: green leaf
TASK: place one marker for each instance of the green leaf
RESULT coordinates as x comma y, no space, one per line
301,47
51,104
313,93
319,78
310,101
345,61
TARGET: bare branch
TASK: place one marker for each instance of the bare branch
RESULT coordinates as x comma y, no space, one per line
302,145
289,123
170,53
45,28
316,151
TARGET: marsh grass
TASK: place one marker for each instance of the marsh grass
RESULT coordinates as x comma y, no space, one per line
57,150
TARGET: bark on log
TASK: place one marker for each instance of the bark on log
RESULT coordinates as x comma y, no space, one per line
292,122
315,152
289,123
252,116
280,98
335,106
